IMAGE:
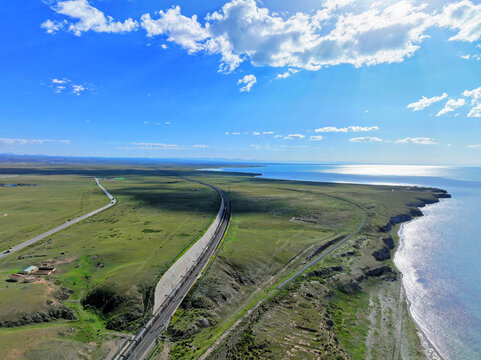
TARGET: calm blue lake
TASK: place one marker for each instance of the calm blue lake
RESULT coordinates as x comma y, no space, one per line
439,254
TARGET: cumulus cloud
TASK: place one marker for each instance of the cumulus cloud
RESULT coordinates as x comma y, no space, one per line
316,138
243,29
475,96
368,139
294,137
248,81
184,31
425,102
88,18
334,129
418,140
451,105
339,32
463,16
14,141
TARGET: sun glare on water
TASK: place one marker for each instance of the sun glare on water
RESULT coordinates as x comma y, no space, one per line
387,170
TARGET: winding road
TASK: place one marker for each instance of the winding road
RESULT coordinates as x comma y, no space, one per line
63,226
177,281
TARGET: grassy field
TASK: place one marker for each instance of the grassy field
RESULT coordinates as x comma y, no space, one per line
112,259
27,211
276,227
108,264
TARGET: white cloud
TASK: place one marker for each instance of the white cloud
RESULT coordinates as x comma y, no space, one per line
256,133
277,136
333,4
244,30
471,56
288,73
52,27
60,85
477,146
418,140
236,133
77,89
368,139
161,146
463,16
475,96
268,133
316,138
248,81
294,137
13,141
60,81
89,18
425,102
182,30
451,105
347,129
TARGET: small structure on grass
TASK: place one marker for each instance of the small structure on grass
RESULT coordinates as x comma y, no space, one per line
17,277
28,270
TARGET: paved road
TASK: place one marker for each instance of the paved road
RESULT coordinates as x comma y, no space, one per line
143,343
63,226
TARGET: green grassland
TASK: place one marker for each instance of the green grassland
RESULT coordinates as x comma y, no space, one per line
27,211
108,264
112,258
276,227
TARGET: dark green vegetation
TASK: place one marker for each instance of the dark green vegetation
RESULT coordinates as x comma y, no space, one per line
346,306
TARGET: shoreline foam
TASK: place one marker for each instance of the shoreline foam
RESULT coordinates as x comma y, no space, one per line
429,349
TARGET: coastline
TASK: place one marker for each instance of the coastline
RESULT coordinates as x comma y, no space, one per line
429,349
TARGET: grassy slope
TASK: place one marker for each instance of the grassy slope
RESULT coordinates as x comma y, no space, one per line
263,246
123,249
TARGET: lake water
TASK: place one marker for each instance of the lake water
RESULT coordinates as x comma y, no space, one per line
439,254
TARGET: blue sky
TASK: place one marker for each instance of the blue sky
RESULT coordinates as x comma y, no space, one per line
249,81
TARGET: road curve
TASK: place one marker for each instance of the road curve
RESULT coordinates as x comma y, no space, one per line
64,225
169,295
